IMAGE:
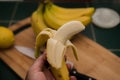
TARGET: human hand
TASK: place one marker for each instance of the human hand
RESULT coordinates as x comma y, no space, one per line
39,72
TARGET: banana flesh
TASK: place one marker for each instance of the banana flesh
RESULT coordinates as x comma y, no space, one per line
71,29
57,43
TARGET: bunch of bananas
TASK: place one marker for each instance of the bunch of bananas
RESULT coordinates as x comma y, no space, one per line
55,25
53,16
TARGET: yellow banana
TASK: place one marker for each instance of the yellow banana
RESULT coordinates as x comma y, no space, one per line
55,22
57,42
38,23
69,13
75,11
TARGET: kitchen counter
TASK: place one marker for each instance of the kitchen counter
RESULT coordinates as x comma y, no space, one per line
11,12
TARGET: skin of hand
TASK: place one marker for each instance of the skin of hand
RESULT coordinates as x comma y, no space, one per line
39,72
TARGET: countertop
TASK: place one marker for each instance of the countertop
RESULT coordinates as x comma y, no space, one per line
11,12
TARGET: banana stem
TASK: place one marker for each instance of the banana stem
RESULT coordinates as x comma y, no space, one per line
48,1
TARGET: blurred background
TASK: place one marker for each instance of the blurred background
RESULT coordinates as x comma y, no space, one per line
12,11
113,1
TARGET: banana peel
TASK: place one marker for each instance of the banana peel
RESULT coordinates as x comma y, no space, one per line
41,39
61,73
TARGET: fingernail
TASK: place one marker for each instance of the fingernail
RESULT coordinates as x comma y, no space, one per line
70,63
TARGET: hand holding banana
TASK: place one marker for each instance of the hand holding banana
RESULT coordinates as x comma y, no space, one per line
53,25
57,43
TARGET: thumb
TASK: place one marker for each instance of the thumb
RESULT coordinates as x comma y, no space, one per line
39,63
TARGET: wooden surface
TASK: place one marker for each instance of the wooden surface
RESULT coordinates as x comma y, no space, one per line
94,60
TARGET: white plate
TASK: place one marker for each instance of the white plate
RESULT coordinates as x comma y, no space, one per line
106,18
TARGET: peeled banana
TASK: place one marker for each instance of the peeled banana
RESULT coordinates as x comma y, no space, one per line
57,43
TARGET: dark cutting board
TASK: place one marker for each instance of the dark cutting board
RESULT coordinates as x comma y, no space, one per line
94,60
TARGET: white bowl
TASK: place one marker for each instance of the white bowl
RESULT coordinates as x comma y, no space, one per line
106,18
